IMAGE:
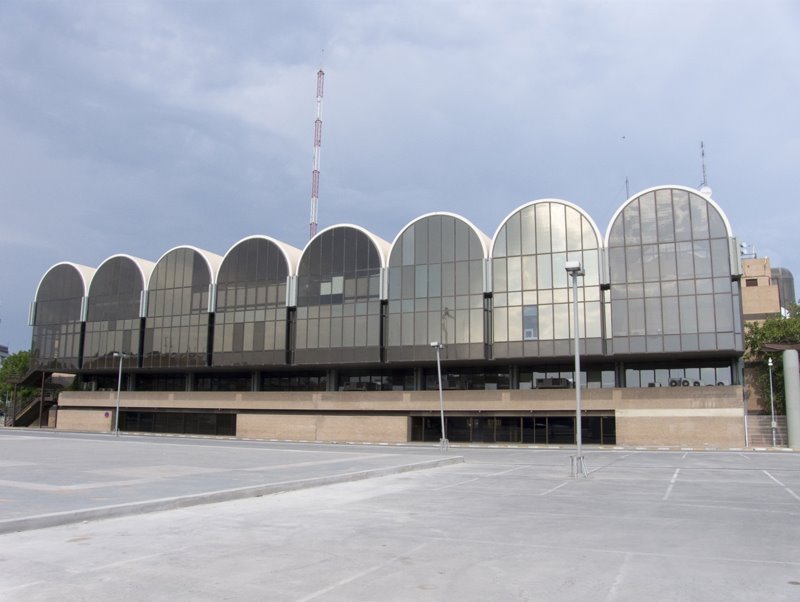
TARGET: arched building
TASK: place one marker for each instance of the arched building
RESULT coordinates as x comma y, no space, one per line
58,317
334,342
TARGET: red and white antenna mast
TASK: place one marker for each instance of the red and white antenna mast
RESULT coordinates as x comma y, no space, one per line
312,226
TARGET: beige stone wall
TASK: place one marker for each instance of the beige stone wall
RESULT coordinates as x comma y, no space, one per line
682,416
691,428
331,427
85,419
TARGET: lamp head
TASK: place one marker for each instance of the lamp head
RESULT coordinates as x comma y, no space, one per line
769,362
574,268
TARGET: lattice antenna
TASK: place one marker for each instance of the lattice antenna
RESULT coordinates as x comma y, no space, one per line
312,226
704,187
703,161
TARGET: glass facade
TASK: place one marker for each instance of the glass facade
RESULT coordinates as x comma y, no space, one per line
531,288
534,430
56,342
375,380
177,327
436,291
338,317
294,381
670,270
113,322
482,379
359,314
250,318
679,374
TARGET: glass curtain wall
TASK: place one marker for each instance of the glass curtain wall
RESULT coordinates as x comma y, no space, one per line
112,314
176,331
250,319
338,317
436,291
671,285
56,342
531,289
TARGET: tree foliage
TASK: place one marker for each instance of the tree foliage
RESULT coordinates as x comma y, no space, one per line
14,367
774,330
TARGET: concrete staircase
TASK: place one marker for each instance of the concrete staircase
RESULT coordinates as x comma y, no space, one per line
759,429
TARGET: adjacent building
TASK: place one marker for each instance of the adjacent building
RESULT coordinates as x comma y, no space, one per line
767,292
761,297
333,342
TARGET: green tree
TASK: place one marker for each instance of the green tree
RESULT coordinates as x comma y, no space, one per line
13,369
773,330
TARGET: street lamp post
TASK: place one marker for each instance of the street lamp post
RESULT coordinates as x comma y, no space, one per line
772,403
574,269
439,346
121,357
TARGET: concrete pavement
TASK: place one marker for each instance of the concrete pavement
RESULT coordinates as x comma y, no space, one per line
51,478
506,524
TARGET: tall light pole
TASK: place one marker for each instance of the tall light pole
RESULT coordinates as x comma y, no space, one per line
574,269
772,403
439,346
121,357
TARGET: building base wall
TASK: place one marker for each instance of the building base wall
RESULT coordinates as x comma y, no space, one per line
675,416
315,427
85,419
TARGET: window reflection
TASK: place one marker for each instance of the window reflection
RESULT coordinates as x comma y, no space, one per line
436,290
531,289
250,318
176,329
338,300
112,316
677,239
57,322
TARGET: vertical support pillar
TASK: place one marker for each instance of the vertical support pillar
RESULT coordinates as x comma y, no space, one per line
41,401
791,385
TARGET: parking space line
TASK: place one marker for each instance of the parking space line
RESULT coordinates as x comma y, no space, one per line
360,574
554,488
789,491
672,483
13,588
615,587
455,484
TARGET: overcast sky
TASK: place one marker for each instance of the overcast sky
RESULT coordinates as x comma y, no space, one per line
134,127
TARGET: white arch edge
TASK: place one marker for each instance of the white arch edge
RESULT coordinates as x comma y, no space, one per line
580,210
290,253
212,260
380,244
145,267
86,273
636,195
482,236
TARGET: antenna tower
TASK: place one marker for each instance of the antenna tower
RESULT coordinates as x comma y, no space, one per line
703,160
312,226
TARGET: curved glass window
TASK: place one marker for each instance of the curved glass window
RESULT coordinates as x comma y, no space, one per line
671,286
56,343
338,316
250,319
531,288
112,314
176,330
436,291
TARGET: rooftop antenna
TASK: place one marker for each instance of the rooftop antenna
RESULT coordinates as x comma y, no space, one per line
312,226
627,182
704,187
